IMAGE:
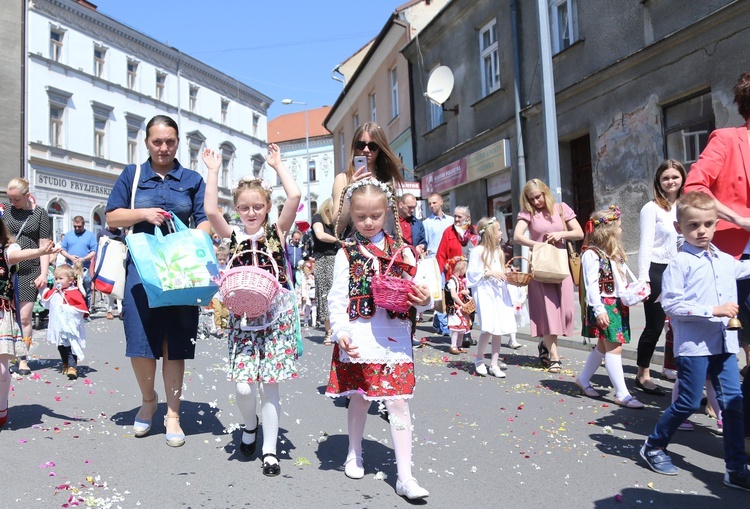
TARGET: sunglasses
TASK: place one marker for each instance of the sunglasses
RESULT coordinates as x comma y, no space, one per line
360,145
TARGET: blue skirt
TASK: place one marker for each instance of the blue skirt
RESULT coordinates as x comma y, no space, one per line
146,329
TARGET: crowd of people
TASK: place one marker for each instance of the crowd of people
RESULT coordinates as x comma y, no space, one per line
693,277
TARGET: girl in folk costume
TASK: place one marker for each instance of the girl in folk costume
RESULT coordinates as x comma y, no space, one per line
12,343
605,317
262,350
67,311
372,358
456,296
495,311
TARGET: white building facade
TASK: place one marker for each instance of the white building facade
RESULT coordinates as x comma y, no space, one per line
94,83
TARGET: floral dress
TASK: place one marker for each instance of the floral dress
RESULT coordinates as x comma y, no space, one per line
457,320
264,349
598,294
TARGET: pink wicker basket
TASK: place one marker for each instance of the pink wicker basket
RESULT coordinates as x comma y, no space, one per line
392,292
249,290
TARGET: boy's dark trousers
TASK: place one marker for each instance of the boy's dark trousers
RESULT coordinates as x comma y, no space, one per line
66,354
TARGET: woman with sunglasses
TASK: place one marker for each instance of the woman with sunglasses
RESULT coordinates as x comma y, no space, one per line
369,141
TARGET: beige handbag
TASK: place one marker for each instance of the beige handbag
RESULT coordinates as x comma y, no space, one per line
550,263
574,259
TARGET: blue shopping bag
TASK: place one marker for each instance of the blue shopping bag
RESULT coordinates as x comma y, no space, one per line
177,269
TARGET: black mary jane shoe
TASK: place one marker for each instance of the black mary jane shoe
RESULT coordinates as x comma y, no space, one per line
271,469
249,449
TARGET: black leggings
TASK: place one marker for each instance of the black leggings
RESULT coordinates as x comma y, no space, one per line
655,317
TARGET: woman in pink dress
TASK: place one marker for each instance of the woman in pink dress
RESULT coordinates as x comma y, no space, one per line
551,305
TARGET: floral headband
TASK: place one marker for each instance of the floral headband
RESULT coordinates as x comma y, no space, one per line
491,221
255,180
606,219
450,265
370,182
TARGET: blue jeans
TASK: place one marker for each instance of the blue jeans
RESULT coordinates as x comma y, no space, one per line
723,373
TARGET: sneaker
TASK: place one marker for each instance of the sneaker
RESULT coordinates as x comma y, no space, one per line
686,426
411,490
481,369
720,427
669,374
740,480
658,460
496,371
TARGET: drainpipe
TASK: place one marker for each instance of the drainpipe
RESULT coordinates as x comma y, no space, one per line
521,156
340,78
548,101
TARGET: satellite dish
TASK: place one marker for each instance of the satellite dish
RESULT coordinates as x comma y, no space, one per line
440,85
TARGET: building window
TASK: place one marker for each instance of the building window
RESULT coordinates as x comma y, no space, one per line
564,23
394,92
132,73
55,44
195,145
373,109
313,208
161,81
193,98
227,154
99,54
256,121
224,110
132,145
489,58
687,125
100,133
56,125
436,115
311,171
355,121
194,152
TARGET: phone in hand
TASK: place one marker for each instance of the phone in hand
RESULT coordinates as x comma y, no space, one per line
360,162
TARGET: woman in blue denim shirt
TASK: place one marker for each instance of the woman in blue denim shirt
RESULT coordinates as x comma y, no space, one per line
168,332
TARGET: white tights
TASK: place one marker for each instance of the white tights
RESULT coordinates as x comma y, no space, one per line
484,338
4,381
401,432
270,411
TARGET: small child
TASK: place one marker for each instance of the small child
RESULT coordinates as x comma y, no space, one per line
457,295
263,351
373,356
699,294
221,313
306,292
486,277
67,310
605,317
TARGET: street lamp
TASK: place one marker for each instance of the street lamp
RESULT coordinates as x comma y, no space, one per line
307,156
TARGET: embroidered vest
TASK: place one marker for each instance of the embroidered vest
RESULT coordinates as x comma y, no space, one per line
269,244
6,283
361,302
450,304
606,278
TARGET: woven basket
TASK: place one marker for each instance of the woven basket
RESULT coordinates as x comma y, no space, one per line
518,278
469,307
249,290
392,292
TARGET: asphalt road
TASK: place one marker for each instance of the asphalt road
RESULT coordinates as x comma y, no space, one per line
527,440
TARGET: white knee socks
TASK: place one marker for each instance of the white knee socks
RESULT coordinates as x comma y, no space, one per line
356,417
593,361
270,411
613,365
246,402
454,339
4,381
401,434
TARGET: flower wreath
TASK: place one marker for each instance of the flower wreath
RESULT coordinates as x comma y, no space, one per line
491,221
606,219
370,182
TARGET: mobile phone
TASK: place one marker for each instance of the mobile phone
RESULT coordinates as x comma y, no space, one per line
360,162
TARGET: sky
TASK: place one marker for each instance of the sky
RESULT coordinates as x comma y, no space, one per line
283,49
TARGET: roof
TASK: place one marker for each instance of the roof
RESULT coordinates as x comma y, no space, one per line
291,126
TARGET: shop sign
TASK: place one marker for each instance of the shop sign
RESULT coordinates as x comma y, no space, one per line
69,184
477,165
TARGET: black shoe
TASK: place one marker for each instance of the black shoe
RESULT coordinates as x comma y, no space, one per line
271,469
740,480
655,391
466,343
249,449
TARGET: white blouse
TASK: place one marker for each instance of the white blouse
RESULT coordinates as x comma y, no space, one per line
658,237
590,270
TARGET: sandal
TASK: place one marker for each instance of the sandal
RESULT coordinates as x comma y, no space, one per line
588,390
141,427
629,402
554,367
327,341
543,354
271,469
174,439
248,450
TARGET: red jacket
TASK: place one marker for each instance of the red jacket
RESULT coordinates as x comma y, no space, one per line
723,171
450,246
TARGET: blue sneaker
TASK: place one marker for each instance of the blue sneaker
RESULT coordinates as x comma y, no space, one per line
658,460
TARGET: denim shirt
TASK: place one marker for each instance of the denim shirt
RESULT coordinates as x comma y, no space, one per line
180,191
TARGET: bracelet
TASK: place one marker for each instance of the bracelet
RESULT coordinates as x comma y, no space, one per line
485,272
